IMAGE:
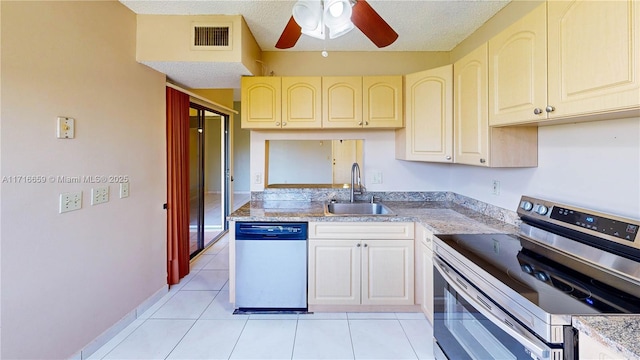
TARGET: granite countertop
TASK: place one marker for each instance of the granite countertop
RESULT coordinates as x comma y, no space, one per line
618,332
441,217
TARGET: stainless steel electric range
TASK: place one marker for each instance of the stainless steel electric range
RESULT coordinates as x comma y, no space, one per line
512,296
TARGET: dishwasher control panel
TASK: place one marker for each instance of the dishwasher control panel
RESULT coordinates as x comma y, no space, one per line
271,230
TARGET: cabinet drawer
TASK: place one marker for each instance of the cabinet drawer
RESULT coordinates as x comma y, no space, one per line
361,230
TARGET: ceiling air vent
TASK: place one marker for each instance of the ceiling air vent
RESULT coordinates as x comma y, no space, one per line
211,36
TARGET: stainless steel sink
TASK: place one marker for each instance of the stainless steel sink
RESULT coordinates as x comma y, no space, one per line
356,209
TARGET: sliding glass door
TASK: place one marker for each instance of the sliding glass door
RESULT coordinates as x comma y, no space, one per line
209,177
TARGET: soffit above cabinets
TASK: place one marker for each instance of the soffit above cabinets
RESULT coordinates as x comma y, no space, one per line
422,25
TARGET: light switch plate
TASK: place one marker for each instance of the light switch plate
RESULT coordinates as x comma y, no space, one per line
66,128
70,201
99,195
124,190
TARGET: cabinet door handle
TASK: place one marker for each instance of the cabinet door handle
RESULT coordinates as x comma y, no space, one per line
284,124
448,157
366,123
360,123
277,123
365,245
537,111
482,161
358,245
549,108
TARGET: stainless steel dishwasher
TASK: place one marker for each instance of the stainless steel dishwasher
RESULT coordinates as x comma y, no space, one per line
271,266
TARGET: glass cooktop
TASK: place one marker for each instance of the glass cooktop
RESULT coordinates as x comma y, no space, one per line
552,286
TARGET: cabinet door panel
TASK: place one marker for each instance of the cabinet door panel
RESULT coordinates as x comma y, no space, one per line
471,121
334,272
428,132
261,102
382,101
388,272
301,102
518,70
342,102
594,52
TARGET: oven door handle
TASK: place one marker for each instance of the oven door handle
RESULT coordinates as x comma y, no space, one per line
498,317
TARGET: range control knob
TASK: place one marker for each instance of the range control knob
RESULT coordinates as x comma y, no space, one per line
541,209
526,205
541,276
527,268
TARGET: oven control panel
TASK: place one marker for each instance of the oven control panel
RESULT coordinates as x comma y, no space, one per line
600,224
603,225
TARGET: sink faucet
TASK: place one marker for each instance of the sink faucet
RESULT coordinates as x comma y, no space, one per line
355,168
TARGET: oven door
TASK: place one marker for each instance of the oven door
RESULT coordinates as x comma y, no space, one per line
467,325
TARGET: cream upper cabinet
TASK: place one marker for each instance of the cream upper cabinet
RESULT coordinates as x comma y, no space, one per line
594,57
261,102
518,70
342,102
471,121
428,131
474,142
567,61
382,102
301,102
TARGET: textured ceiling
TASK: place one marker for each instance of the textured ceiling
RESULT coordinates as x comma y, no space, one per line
422,25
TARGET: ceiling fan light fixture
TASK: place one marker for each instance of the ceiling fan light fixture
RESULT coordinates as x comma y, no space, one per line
337,17
308,14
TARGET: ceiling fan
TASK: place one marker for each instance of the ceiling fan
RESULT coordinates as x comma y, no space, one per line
313,17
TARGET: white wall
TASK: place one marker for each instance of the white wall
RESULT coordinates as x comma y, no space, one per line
66,278
594,165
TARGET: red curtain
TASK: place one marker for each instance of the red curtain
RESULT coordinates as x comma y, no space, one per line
177,185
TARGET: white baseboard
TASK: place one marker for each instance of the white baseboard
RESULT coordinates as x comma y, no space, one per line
116,328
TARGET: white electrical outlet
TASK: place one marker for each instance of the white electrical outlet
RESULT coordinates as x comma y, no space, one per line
257,178
377,178
70,201
99,195
496,187
124,190
66,128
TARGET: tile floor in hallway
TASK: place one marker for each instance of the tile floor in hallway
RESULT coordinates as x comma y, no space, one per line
195,321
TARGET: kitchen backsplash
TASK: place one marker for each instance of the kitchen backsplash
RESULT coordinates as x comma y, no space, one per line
327,194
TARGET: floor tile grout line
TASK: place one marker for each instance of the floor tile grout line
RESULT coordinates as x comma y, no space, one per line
246,321
409,340
182,338
353,349
295,336
125,338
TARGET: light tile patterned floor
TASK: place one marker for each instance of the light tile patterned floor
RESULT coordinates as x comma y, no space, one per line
195,321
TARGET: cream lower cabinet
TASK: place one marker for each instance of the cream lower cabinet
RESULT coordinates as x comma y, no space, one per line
591,349
361,264
424,270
